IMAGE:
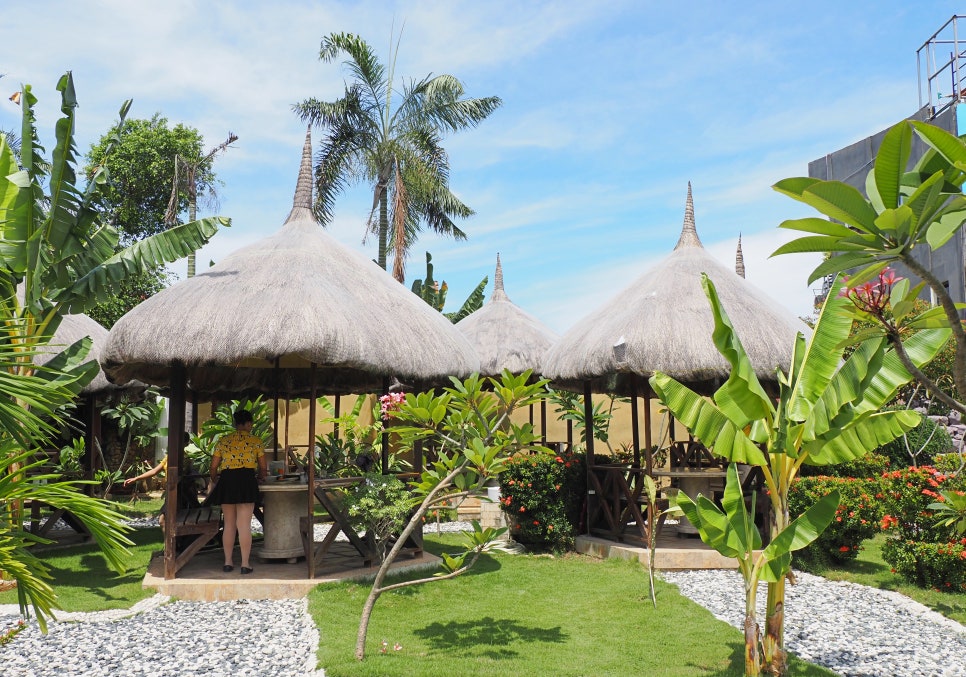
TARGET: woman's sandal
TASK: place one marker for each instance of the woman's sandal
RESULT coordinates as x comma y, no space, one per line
246,570
227,568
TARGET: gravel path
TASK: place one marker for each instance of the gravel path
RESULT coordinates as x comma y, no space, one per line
852,629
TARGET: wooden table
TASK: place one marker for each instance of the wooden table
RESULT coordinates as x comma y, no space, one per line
692,481
284,503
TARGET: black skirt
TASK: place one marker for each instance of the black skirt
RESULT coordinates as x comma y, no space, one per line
235,485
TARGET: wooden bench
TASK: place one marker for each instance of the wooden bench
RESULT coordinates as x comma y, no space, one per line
203,524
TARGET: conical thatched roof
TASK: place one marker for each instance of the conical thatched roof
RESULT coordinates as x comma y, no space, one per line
739,260
298,297
504,335
73,328
663,322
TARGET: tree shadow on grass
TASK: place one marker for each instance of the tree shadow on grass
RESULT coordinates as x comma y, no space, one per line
494,637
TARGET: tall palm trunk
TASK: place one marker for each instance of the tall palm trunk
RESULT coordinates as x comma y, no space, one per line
383,228
752,658
192,215
775,659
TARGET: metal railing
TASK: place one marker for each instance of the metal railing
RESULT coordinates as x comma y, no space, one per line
940,64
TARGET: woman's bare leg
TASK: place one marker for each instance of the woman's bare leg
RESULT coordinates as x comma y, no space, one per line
229,510
244,525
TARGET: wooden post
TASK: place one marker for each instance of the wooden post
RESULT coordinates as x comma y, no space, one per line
635,427
589,435
543,422
310,462
176,422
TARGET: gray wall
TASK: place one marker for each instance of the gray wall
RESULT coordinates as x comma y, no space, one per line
851,165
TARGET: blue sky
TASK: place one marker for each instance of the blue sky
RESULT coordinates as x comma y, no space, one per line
578,181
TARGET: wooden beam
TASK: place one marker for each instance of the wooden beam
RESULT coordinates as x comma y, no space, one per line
176,416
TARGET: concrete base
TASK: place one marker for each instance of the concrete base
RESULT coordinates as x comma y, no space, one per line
672,552
203,580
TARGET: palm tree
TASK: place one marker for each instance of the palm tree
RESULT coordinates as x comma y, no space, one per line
395,148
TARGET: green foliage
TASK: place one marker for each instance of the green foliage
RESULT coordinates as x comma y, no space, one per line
872,465
69,457
379,505
918,446
828,411
569,406
906,496
137,419
939,566
950,511
856,519
139,157
473,436
544,496
434,293
129,293
202,446
391,138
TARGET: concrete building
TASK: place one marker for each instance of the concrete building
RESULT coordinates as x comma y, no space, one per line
941,63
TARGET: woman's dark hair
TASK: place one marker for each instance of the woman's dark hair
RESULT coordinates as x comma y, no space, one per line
242,416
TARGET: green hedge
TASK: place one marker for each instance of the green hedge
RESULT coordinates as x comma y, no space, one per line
543,496
856,519
940,566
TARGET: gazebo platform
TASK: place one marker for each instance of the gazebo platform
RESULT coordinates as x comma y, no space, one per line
202,579
673,552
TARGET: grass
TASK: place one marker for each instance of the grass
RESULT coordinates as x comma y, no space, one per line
530,615
870,569
84,582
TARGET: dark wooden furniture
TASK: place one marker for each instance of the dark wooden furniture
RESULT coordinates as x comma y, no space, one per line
195,527
617,507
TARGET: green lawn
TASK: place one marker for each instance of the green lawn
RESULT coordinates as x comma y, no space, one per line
530,615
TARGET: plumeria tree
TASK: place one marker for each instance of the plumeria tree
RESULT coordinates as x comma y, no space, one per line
905,214
827,410
469,425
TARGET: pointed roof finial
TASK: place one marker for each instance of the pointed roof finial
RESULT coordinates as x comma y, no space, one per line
498,292
303,187
689,233
740,259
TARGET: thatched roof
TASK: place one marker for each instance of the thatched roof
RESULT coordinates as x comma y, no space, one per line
71,329
298,297
663,322
504,335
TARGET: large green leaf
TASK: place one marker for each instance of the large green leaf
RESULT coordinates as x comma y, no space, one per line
890,163
802,531
950,147
818,226
712,524
741,397
843,203
948,222
164,247
822,355
817,243
706,421
843,262
860,437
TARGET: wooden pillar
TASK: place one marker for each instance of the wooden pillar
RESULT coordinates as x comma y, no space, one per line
310,462
635,426
589,435
543,422
176,422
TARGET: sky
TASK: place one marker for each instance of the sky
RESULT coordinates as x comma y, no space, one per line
578,180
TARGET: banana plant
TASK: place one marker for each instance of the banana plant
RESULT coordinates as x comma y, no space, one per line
57,253
826,411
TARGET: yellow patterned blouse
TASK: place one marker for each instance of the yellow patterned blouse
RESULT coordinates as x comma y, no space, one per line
238,450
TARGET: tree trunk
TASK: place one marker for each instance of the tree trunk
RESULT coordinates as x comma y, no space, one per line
383,228
776,659
752,653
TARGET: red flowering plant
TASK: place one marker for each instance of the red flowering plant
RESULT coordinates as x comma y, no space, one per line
907,494
940,566
543,497
857,518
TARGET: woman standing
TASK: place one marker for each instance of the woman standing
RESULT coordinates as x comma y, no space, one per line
233,467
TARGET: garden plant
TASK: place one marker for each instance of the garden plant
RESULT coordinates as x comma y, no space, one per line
827,411
473,435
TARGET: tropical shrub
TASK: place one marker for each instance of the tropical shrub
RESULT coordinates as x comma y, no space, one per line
544,495
940,566
871,465
856,519
919,446
379,505
906,495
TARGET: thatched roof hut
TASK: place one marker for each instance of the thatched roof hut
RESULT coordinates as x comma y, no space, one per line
293,299
71,329
663,322
504,335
